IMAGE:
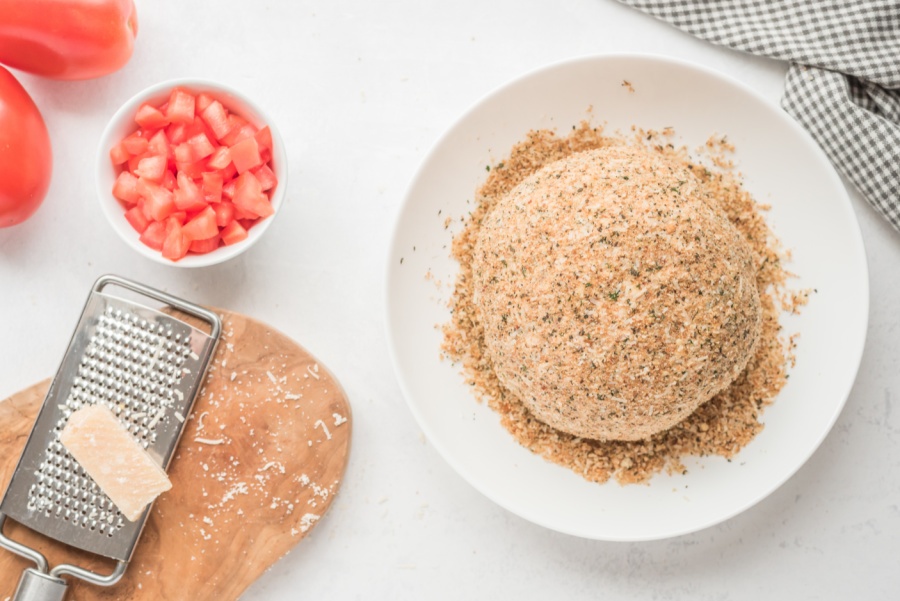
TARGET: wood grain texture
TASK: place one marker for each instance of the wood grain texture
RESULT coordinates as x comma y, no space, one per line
283,426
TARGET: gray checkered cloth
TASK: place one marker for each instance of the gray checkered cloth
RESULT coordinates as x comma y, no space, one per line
842,85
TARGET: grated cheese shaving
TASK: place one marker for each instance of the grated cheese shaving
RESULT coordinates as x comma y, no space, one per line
324,428
156,418
307,521
270,464
209,441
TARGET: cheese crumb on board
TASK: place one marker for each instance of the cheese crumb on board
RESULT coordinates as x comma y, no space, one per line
324,428
210,441
307,521
123,470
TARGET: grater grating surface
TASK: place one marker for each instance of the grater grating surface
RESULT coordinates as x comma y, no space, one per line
146,366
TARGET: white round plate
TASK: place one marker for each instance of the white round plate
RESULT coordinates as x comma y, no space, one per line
811,214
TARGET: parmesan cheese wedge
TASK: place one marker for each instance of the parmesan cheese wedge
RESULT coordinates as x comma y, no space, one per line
123,470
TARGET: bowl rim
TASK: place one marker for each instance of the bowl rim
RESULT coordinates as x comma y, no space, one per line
115,213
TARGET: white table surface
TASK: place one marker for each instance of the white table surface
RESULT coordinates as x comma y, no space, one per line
360,91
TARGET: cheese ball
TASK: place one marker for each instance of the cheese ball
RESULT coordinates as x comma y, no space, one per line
615,297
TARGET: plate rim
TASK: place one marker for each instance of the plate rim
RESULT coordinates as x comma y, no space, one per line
392,266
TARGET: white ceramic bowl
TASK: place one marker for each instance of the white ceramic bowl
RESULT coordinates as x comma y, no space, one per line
122,124
811,214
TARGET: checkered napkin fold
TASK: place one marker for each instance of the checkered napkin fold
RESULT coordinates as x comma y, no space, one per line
843,84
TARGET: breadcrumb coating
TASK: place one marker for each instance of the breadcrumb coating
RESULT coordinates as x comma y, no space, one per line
722,425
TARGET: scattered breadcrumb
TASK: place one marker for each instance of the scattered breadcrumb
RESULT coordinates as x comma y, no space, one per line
721,426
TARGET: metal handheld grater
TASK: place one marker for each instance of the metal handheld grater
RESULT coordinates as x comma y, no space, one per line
145,365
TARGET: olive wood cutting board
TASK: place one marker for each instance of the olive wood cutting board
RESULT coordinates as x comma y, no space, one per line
261,459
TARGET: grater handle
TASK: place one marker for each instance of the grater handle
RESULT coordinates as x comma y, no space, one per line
21,550
38,586
88,576
197,311
43,584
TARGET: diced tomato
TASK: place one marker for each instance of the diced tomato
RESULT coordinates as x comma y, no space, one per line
220,158
245,155
200,146
205,246
118,154
199,126
264,138
152,168
137,219
216,117
181,106
224,213
176,244
202,226
228,172
233,233
237,121
145,188
242,215
150,117
177,133
247,189
240,129
249,197
159,145
203,101
168,180
187,195
228,189
192,170
154,235
125,188
242,133
158,202
135,144
194,149
266,177
134,161
183,154
212,186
